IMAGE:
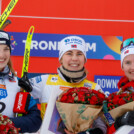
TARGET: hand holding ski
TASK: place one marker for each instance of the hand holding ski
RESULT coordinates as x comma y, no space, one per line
23,97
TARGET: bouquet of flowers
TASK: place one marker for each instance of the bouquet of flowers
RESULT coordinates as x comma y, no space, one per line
7,126
115,100
119,104
122,101
79,107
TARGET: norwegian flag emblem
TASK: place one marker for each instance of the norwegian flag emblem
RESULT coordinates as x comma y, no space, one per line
73,46
127,51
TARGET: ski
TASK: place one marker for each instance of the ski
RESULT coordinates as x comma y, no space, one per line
27,50
7,11
6,23
24,82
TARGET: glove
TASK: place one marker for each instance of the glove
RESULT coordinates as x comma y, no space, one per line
126,119
24,83
92,131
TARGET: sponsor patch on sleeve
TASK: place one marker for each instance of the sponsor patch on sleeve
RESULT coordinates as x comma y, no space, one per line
54,79
89,85
38,79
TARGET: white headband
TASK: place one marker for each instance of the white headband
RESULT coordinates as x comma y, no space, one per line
72,43
126,51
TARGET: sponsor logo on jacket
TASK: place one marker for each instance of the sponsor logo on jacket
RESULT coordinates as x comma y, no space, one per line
89,85
38,79
20,101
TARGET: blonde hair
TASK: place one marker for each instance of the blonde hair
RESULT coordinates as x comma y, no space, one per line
10,65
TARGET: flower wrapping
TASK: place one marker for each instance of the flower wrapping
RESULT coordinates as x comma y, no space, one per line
79,107
119,104
7,126
119,111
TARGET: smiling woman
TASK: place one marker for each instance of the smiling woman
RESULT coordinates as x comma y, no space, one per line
126,85
4,56
5,51
127,58
71,73
128,67
73,60
9,88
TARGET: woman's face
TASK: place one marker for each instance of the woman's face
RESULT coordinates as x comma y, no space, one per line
73,60
128,66
4,56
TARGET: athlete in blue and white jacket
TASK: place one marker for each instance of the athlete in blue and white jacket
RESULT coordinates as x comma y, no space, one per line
29,122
